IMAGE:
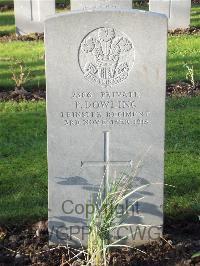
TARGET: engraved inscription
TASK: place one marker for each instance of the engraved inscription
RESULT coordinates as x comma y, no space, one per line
104,108
106,56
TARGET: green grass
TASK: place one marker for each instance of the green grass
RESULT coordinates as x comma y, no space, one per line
182,157
181,49
33,55
7,23
23,164
6,2
195,15
23,174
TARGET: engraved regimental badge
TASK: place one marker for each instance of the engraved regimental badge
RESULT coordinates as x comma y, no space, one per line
106,56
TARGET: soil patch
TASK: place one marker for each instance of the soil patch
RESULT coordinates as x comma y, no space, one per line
22,94
6,7
40,36
28,245
183,89
189,31
29,37
179,89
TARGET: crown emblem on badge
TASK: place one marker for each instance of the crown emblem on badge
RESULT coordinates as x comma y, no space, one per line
106,56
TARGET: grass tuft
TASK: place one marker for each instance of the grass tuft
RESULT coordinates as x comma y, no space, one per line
104,220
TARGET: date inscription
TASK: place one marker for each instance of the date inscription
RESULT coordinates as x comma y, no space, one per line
105,108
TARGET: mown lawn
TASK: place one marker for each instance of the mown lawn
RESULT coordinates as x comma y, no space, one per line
7,23
6,2
32,53
182,157
181,49
23,163
195,15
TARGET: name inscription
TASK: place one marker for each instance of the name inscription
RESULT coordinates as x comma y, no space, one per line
105,108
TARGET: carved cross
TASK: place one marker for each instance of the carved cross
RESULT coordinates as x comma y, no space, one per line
170,6
35,10
106,163
31,8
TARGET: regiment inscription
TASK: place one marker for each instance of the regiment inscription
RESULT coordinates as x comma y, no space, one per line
112,109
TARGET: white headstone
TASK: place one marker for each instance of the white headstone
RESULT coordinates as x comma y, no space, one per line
106,76
177,11
95,4
30,15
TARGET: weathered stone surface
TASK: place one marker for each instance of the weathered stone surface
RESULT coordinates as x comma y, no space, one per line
177,11
106,77
95,4
30,15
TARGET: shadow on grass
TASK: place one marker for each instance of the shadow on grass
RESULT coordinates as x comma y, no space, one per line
7,32
176,70
23,179
7,19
